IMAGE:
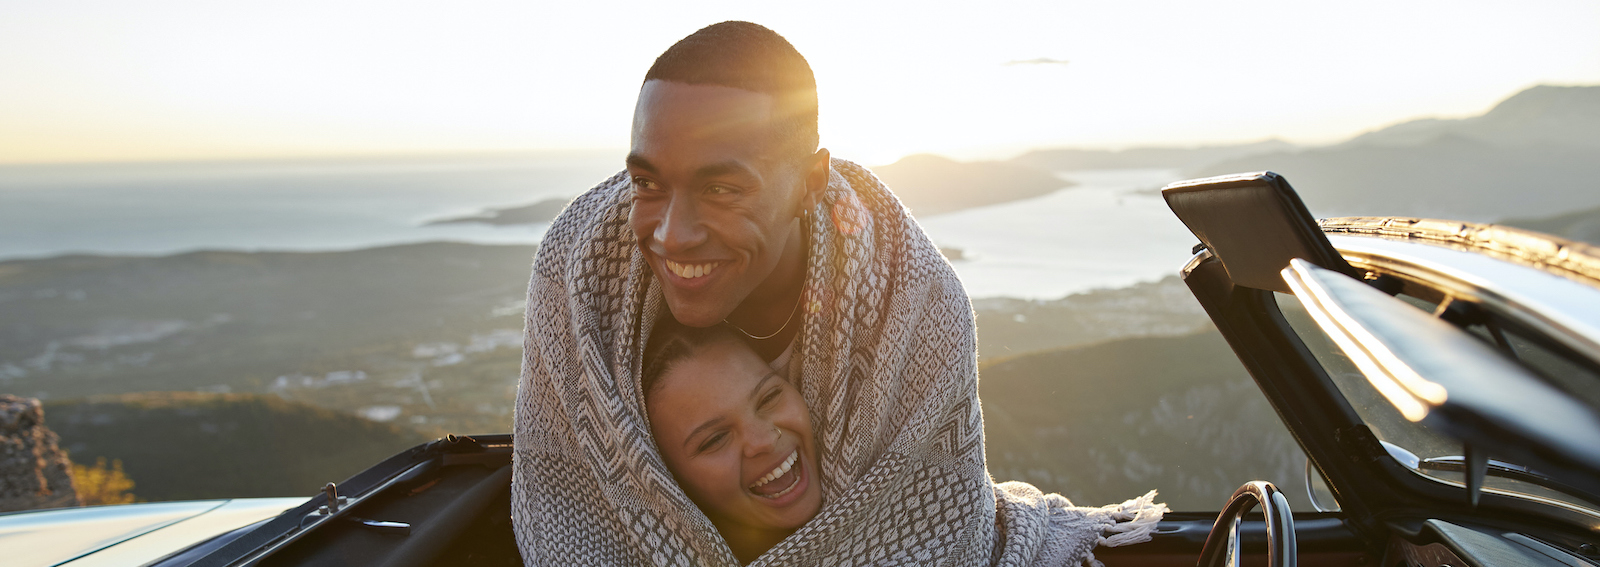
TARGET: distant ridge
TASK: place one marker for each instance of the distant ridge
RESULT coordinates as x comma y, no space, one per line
1144,157
929,184
1582,226
542,211
1532,155
1544,115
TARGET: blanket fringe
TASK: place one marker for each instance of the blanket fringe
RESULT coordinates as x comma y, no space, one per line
1135,520
1132,522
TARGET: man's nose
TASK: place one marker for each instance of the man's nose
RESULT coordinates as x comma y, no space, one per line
680,229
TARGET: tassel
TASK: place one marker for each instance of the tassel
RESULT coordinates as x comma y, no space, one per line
1090,561
1134,521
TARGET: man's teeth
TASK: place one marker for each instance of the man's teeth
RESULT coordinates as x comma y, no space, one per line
777,472
690,271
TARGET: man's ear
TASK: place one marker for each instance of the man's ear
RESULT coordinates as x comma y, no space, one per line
816,178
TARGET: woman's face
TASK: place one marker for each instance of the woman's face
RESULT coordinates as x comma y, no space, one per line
738,438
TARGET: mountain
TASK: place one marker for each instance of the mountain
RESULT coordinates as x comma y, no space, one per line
1543,115
1582,226
1144,157
929,184
1105,422
1532,155
187,445
542,211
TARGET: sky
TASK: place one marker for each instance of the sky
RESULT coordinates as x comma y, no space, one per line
132,80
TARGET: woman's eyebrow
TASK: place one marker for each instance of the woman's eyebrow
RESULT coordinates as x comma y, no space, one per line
713,422
763,381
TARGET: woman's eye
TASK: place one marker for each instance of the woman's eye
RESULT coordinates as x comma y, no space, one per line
767,400
713,442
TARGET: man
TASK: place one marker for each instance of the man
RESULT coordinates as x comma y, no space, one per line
729,214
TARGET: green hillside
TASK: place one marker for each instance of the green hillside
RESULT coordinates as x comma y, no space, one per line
426,334
1009,326
186,445
1109,421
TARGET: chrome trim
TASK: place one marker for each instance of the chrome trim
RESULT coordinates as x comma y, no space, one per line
1194,262
310,522
1557,307
1221,548
1311,492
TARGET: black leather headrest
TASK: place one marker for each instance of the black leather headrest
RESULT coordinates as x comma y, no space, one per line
1254,223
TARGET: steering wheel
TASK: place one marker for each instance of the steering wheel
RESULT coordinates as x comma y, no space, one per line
1222,545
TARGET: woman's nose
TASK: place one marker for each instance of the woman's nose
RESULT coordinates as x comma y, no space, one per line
762,439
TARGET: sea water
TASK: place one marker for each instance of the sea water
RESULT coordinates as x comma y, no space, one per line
1109,230
305,205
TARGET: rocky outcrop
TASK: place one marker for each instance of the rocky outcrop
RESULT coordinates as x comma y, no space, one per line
34,471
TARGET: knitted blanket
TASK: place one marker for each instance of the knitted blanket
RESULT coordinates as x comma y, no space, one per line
889,371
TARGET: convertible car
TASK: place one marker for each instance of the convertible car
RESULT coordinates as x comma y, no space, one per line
1443,379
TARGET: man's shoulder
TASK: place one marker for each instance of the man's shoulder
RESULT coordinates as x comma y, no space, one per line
601,209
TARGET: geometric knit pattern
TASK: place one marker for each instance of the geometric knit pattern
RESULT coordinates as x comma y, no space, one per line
888,368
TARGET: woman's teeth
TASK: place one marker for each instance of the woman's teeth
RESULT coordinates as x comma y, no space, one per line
689,271
777,472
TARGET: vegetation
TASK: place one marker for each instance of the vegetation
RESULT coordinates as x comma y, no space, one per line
189,445
1106,422
100,485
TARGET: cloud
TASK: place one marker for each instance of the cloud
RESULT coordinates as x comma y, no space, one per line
1037,61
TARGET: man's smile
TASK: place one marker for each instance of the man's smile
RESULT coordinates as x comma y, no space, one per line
690,271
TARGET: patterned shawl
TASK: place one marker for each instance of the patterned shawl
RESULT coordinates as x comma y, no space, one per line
888,368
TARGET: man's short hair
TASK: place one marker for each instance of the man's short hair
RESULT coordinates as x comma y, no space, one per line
749,56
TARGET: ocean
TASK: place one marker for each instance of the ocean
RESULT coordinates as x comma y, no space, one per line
1109,230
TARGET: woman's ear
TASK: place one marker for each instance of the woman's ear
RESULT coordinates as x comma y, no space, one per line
816,178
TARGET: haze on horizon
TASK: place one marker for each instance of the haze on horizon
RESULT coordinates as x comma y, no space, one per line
95,80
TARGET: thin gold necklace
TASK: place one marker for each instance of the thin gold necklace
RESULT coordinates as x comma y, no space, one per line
786,322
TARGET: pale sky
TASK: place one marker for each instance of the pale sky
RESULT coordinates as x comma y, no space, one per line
102,80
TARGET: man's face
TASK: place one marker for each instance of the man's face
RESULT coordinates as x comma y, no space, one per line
716,199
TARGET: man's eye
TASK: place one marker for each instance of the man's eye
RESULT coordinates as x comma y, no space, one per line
644,185
720,190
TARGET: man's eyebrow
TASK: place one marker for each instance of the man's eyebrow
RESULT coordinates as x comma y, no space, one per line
636,160
708,424
724,168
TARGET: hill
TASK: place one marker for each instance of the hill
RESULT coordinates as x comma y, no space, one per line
542,211
1543,115
1009,326
1109,421
1065,159
1582,226
186,445
424,333
1529,156
929,184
